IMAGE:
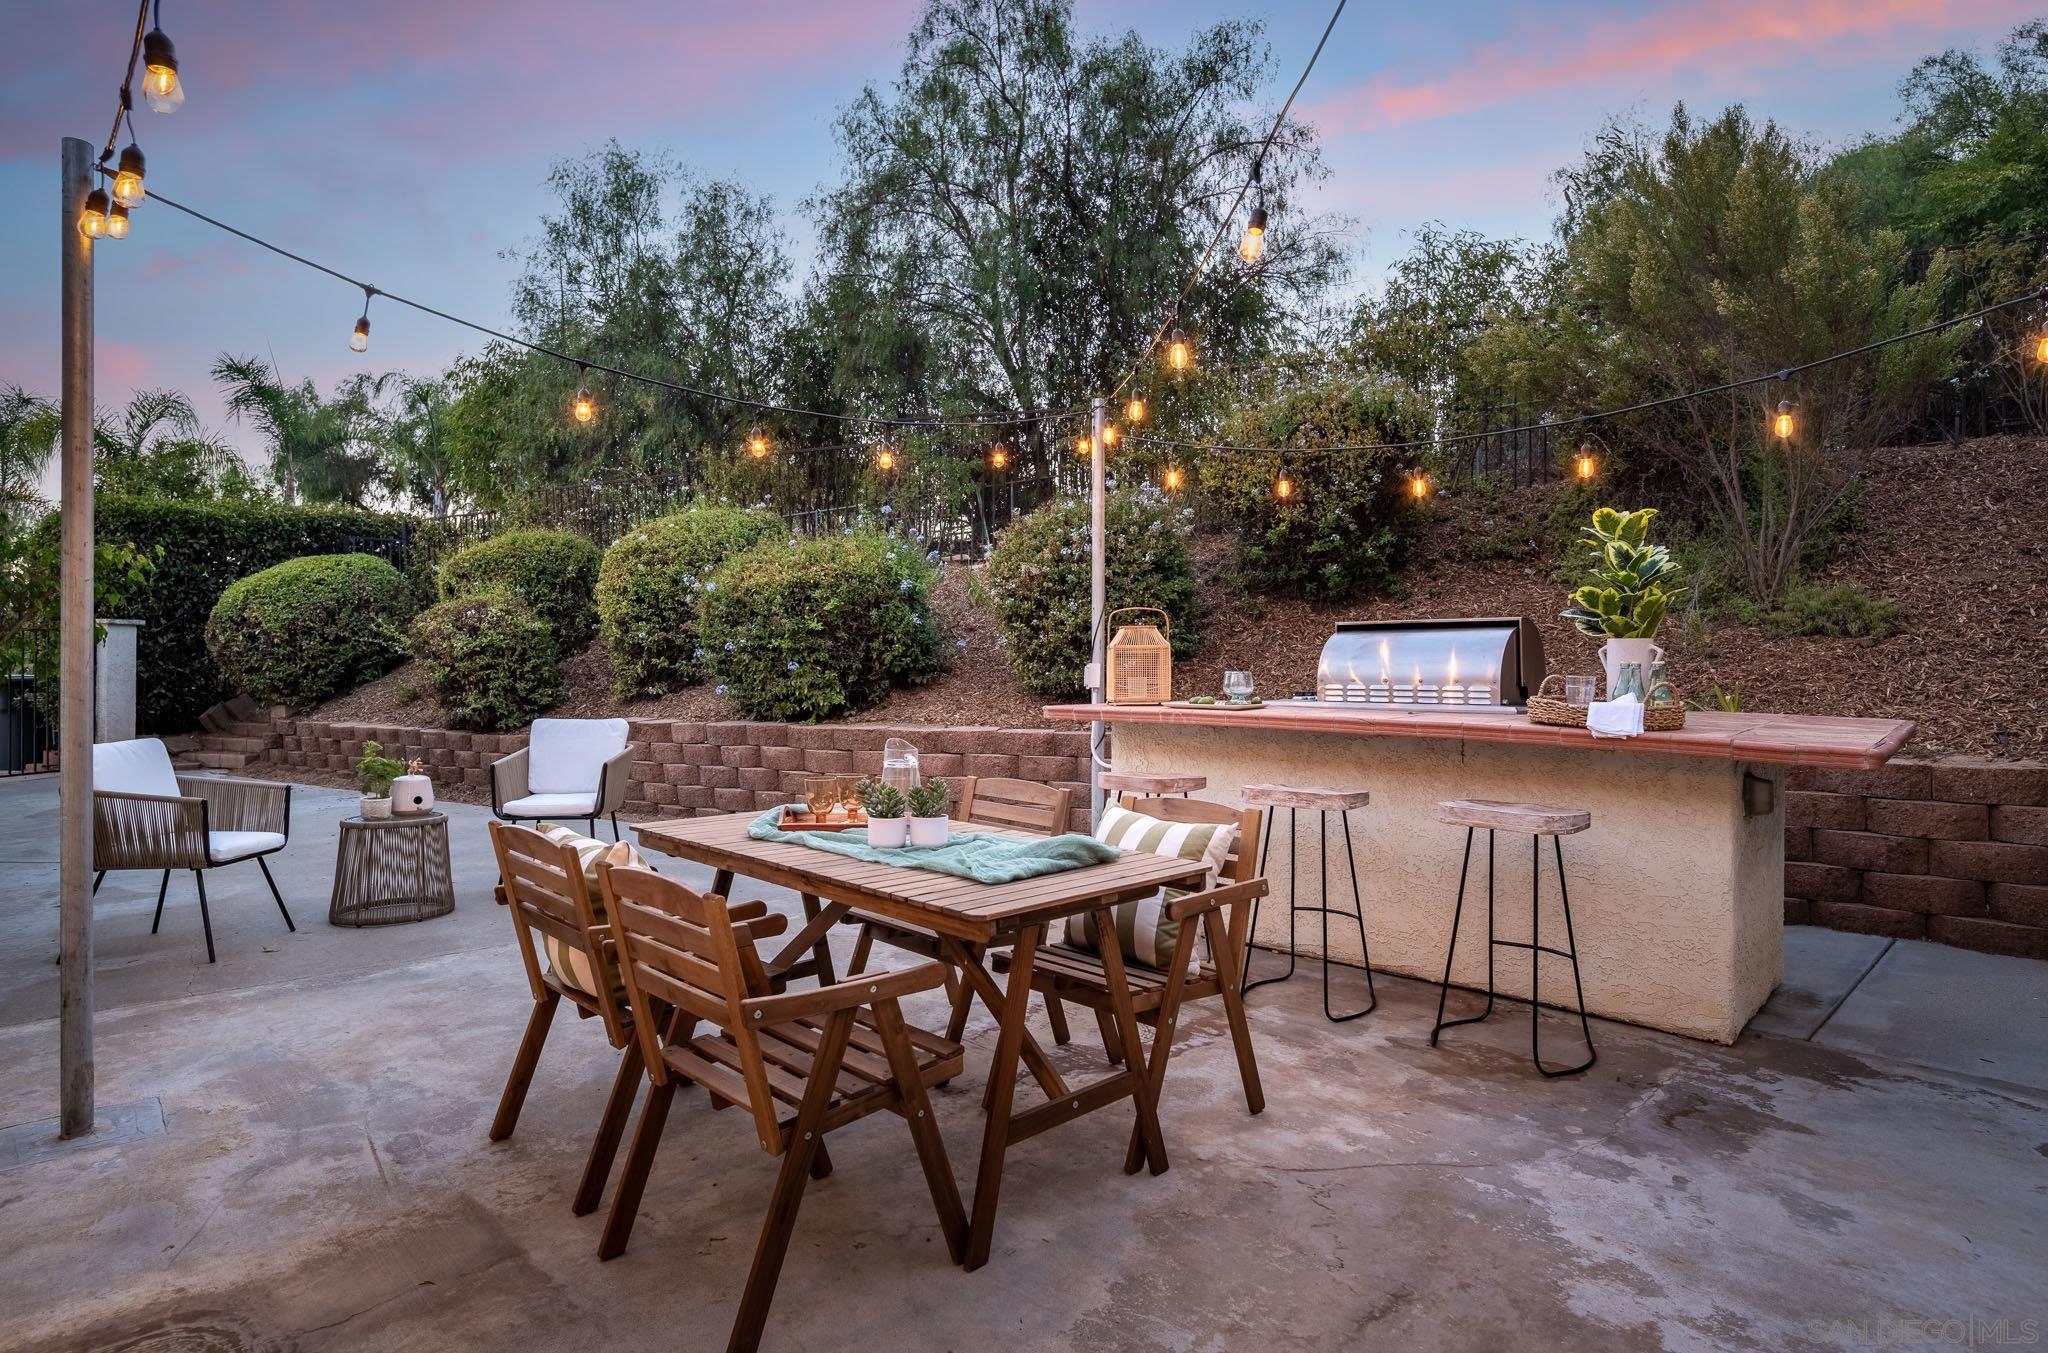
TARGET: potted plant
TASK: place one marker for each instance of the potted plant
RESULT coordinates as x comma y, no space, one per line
886,824
929,802
374,774
1630,587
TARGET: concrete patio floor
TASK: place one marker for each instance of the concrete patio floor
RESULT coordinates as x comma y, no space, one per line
296,1160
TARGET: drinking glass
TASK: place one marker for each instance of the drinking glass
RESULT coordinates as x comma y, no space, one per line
1580,690
1237,686
821,794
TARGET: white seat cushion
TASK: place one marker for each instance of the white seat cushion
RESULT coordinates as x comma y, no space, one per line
566,756
139,766
552,805
227,847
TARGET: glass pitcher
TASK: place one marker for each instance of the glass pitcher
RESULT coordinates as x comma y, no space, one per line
899,766
1628,680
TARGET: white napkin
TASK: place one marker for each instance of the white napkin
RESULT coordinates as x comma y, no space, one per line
1621,718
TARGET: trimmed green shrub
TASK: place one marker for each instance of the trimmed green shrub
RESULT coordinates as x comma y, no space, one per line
1037,583
1344,528
308,629
553,572
200,548
647,592
490,659
1840,612
806,630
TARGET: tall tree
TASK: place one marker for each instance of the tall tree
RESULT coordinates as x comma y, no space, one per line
155,447
318,448
28,438
1023,208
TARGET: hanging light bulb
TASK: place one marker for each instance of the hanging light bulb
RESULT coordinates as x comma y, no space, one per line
360,339
1109,435
1178,355
999,459
1254,242
1418,486
1173,478
117,223
584,407
1135,410
885,459
1584,465
162,90
92,221
1084,446
2041,349
757,444
1782,425
1283,487
128,189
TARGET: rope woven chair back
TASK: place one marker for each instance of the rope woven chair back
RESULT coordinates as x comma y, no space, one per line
1024,805
1244,851
545,887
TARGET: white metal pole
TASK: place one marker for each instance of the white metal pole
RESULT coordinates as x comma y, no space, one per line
1098,603
75,631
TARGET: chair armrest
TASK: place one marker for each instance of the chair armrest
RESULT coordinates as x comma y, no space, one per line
238,805
848,993
613,779
755,921
508,780
148,831
1194,904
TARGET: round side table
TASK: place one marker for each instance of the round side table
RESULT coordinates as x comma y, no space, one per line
388,870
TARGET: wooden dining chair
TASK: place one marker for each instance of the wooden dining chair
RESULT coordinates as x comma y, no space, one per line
800,1063
988,801
1222,914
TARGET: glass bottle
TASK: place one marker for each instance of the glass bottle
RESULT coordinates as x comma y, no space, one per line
1628,680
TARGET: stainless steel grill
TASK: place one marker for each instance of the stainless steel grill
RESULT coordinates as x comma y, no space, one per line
1475,665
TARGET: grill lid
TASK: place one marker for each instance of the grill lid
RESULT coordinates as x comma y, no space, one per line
1475,664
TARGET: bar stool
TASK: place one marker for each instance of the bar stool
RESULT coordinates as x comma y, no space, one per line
1148,786
1538,821
1323,802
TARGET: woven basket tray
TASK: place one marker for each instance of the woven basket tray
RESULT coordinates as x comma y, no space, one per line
1546,708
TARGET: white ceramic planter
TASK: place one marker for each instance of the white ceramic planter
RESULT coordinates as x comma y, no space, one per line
412,794
375,809
929,831
888,831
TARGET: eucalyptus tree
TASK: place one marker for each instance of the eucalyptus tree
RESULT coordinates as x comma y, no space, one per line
1021,210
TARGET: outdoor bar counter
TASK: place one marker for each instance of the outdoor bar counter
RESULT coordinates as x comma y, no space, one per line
1677,889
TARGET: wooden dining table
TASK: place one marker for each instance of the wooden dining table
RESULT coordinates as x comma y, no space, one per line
967,917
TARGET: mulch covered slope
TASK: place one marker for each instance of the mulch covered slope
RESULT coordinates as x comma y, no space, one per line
1954,535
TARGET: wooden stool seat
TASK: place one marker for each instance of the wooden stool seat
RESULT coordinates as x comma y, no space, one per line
1302,796
1142,782
1537,819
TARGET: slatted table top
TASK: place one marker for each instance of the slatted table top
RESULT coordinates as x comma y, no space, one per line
941,903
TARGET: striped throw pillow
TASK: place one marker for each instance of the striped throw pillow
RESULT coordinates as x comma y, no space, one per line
569,964
1144,932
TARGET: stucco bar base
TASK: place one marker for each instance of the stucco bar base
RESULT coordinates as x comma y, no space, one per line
1677,897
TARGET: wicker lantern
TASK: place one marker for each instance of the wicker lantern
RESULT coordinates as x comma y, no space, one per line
1140,659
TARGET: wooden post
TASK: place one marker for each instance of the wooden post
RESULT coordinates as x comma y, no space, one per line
75,635
1098,604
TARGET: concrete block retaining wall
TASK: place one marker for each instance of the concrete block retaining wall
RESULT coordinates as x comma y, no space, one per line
684,767
1954,850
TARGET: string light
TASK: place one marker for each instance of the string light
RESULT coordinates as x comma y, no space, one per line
2041,349
162,89
360,339
117,223
757,444
1254,242
885,459
1418,486
1084,446
1135,410
1178,354
1283,487
1109,435
999,459
92,221
1783,425
1585,465
584,407
128,190
1173,478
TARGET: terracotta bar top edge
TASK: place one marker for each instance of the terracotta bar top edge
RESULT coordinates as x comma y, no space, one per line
1821,741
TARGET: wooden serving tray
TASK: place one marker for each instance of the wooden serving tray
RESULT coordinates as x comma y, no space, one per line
805,822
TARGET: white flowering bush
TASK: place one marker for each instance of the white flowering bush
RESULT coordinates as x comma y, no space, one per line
1037,583
647,591
802,630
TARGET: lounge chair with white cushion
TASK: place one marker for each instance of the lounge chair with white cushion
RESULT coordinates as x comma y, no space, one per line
569,769
147,816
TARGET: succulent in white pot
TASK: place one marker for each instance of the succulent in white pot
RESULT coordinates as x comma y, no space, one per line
929,805
374,774
887,826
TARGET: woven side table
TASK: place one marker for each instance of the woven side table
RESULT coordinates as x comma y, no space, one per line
390,870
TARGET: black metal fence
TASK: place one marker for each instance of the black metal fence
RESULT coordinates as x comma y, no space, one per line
28,704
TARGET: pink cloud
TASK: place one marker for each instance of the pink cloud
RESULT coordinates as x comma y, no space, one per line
1719,37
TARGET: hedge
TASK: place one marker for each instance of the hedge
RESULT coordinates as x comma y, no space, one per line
490,660
553,572
1037,583
804,630
647,592
205,548
308,629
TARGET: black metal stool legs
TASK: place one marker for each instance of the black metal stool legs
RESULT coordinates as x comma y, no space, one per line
1357,912
1536,949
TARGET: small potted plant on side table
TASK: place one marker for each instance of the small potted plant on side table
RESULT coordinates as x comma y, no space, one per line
929,803
887,827
374,774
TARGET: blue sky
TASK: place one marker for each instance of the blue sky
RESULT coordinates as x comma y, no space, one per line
408,143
